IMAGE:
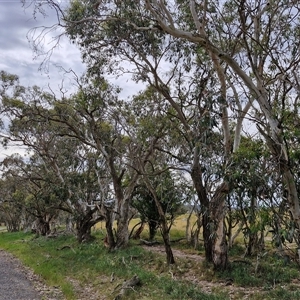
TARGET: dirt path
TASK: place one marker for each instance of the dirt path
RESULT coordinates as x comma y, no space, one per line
20,283
192,275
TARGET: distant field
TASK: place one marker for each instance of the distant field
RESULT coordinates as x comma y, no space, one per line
2,228
179,223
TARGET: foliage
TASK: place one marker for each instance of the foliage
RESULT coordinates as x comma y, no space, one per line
170,198
206,68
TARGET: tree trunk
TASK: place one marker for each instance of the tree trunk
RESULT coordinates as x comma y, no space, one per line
196,175
218,212
84,224
83,232
188,226
83,227
252,243
122,234
137,234
123,204
253,233
12,225
168,249
42,226
109,229
153,225
232,237
163,223
69,224
196,233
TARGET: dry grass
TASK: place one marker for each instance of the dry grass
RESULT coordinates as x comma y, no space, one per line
179,224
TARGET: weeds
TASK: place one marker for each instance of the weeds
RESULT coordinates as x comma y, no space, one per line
62,262
270,272
83,269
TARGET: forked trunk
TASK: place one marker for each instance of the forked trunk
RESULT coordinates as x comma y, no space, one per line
84,223
123,205
163,223
83,232
83,228
42,226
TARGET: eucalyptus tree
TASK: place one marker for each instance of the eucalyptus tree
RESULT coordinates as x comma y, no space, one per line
158,198
258,41
58,177
252,45
180,72
169,195
12,204
248,48
147,120
251,175
66,170
29,189
284,227
97,118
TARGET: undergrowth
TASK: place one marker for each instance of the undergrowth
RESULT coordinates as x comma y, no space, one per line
62,262
61,259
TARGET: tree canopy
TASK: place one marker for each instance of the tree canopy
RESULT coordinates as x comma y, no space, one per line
206,69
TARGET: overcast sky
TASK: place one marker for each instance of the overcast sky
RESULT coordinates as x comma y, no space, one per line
17,57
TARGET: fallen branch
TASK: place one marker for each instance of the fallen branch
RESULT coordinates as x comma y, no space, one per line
130,284
178,240
149,243
66,247
242,261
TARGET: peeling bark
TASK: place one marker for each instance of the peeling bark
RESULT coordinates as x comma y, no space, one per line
218,212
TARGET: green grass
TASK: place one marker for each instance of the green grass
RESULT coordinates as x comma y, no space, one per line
271,271
60,261
63,262
281,293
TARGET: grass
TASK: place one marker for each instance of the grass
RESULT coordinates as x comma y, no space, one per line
61,262
88,268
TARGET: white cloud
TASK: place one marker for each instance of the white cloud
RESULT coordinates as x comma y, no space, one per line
17,57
